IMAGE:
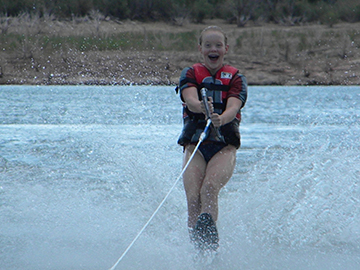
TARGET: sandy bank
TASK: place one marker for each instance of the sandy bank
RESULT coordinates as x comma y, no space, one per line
266,54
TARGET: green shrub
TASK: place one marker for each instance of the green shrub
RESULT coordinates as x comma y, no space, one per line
201,10
293,11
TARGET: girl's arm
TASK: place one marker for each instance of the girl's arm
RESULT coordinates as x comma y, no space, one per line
232,108
190,96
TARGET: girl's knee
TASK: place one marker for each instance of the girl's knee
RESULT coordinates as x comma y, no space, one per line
209,188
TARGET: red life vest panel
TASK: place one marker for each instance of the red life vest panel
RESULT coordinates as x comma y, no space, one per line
218,87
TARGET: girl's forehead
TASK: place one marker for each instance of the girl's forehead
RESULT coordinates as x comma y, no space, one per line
213,35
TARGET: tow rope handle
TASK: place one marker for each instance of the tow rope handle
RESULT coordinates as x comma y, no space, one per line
203,92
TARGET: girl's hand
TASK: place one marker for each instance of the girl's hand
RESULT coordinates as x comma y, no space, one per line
210,105
216,120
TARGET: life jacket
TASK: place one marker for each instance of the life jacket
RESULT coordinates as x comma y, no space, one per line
217,87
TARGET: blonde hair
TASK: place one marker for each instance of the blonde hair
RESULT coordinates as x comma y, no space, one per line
212,28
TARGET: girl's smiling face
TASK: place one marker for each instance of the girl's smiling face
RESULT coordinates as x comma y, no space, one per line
213,49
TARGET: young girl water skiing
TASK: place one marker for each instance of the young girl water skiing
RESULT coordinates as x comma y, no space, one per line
213,164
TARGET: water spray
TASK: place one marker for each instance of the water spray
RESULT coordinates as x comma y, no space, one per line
201,139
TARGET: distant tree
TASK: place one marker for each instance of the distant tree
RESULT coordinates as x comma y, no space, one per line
180,11
242,10
349,10
68,8
217,7
201,9
271,9
293,11
14,7
326,12
114,8
145,10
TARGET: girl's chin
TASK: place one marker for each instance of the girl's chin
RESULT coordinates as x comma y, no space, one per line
213,66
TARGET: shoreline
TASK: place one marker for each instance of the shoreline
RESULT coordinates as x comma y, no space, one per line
266,55
153,68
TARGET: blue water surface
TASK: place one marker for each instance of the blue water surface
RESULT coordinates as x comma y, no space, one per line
82,168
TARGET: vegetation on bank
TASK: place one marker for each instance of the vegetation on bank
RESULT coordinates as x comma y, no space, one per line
28,33
48,46
28,25
180,11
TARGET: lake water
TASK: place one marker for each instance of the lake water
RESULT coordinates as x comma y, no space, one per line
82,168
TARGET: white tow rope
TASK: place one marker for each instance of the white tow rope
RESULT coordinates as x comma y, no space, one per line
201,139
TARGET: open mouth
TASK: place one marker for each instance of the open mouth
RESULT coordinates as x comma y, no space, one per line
213,57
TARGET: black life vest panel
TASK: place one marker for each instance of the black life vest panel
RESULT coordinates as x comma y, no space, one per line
217,86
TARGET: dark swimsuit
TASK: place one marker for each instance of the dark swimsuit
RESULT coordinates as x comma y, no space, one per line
208,150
